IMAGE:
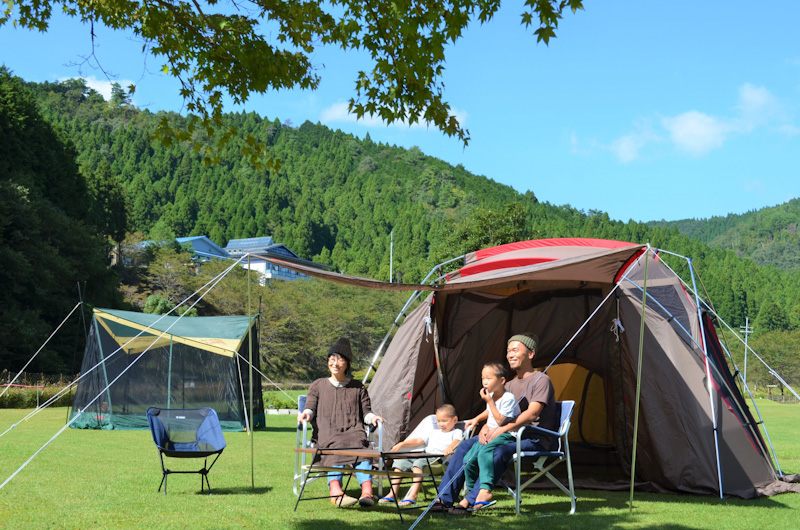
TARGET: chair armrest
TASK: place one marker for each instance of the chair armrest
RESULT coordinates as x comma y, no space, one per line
538,430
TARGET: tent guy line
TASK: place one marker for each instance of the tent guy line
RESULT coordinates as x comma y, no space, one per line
211,284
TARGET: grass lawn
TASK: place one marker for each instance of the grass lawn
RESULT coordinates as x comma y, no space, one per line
108,479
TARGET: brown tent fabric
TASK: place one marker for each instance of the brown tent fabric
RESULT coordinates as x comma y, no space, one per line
436,361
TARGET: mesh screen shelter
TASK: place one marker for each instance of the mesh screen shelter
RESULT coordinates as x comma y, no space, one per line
166,362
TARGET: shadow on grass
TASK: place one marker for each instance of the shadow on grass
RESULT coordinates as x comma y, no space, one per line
269,429
240,490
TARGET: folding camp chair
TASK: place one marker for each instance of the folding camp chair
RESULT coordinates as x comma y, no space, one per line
302,460
186,433
546,460
429,423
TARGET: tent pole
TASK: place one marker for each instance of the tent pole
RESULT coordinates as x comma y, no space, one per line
709,385
169,373
378,351
639,378
250,371
402,314
758,412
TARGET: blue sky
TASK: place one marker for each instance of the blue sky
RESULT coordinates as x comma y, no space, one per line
644,110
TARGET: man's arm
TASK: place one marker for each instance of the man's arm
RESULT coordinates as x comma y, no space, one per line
530,414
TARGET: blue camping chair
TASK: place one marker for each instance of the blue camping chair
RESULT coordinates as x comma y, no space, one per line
544,461
186,433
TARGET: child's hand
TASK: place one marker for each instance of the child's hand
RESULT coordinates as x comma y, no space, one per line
485,395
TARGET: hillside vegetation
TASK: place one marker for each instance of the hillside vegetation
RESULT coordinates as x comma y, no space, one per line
768,236
336,199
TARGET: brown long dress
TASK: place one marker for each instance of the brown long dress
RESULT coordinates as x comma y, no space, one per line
338,420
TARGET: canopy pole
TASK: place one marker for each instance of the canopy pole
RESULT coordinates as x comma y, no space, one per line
639,377
709,386
169,373
250,371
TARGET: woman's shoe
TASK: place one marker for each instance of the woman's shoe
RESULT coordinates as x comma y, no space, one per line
366,500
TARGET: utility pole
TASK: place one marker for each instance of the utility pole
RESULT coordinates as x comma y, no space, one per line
747,330
391,255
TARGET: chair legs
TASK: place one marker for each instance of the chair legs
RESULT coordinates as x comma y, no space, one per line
204,483
543,470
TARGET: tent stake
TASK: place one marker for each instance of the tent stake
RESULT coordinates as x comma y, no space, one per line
639,378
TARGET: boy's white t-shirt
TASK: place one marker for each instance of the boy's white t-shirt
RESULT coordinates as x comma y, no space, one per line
438,440
506,405
434,439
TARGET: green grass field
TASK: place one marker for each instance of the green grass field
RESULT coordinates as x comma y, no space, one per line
108,479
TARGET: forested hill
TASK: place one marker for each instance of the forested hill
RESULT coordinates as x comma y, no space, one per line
337,198
768,236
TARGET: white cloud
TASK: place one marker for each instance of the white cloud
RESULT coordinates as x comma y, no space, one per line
337,113
789,130
695,132
757,106
103,86
627,147
698,133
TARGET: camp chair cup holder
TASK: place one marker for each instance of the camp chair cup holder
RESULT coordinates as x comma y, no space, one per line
544,461
186,433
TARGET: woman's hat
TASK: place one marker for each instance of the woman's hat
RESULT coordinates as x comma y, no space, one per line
342,347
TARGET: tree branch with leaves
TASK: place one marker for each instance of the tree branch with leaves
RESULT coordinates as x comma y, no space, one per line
217,49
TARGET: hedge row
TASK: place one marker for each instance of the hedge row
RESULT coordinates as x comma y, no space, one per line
28,398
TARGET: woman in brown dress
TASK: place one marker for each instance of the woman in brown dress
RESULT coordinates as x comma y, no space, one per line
338,408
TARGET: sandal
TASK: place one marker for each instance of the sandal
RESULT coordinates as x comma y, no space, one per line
366,500
457,509
481,505
408,502
439,507
386,500
346,500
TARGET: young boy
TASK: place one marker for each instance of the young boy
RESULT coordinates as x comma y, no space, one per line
500,405
441,441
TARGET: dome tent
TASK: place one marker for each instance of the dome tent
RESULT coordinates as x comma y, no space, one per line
584,298
166,362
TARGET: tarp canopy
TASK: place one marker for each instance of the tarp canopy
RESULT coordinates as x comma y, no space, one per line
134,361
583,297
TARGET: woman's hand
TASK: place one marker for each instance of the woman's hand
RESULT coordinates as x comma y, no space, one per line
303,416
376,419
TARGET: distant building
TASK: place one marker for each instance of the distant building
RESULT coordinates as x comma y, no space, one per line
266,246
204,249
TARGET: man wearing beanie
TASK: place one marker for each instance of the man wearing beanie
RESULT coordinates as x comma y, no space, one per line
338,408
534,392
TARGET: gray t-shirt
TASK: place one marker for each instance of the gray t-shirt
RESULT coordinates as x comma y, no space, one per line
537,387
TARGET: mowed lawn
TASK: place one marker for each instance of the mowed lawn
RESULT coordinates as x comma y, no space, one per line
109,479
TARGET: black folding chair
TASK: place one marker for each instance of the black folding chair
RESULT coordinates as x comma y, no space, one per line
186,433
